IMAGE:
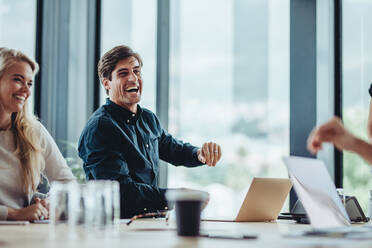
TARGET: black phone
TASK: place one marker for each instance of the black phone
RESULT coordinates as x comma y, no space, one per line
354,210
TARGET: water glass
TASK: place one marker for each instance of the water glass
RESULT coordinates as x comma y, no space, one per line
62,200
115,190
86,205
95,205
107,203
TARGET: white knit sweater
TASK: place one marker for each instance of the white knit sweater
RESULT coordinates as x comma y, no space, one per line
11,185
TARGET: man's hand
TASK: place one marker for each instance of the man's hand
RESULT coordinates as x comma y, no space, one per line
334,132
210,153
33,212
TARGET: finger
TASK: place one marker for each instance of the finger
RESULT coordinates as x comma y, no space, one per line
34,217
219,153
38,213
201,159
205,153
200,156
43,211
216,154
37,199
45,203
211,153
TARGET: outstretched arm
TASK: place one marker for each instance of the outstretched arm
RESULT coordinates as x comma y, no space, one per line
334,132
179,153
369,124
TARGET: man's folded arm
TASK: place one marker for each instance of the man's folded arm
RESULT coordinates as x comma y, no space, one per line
135,197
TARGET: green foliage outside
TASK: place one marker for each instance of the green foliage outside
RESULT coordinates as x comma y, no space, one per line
357,173
69,149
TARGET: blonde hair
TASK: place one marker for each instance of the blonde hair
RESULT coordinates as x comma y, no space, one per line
25,127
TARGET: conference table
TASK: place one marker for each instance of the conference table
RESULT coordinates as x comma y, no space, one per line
156,233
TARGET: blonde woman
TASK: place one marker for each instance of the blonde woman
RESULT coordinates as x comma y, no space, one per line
26,147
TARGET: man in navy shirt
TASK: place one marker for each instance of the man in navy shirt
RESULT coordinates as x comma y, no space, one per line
124,142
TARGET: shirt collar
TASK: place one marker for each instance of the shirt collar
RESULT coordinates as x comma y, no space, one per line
128,116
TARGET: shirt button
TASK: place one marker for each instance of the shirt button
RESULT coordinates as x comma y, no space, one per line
147,145
127,121
133,115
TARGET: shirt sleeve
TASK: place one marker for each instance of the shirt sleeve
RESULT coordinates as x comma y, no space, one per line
3,212
56,168
177,152
103,158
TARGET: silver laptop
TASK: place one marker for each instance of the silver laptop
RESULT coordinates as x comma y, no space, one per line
317,192
263,201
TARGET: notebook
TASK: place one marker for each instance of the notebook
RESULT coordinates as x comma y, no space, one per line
263,201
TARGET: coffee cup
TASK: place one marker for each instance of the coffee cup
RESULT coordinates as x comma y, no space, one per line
188,204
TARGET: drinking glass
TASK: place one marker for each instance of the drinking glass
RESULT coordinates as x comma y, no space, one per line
62,198
103,203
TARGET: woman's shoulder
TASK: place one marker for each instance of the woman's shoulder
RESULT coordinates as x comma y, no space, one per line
44,135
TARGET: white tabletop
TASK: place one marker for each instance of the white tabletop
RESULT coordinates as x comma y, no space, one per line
155,233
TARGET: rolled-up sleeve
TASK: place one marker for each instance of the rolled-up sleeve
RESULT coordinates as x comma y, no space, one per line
101,149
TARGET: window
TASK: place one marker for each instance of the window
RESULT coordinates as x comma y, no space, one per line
77,85
229,83
357,76
132,23
18,28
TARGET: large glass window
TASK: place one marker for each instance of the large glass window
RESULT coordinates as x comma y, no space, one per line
17,27
133,23
357,76
229,83
77,94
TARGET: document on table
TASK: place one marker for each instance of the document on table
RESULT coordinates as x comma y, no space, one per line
316,192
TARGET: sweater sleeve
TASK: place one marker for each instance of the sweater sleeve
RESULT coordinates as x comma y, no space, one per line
56,168
3,212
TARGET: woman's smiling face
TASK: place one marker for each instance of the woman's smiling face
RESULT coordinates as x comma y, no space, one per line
15,87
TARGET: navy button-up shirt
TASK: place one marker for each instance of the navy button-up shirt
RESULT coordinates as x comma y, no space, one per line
117,144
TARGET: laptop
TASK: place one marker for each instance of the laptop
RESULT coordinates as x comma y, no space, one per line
263,201
317,192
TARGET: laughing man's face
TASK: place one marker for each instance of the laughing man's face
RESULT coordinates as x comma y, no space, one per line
125,87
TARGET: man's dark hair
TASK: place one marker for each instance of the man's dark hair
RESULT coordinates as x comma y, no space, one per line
109,60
